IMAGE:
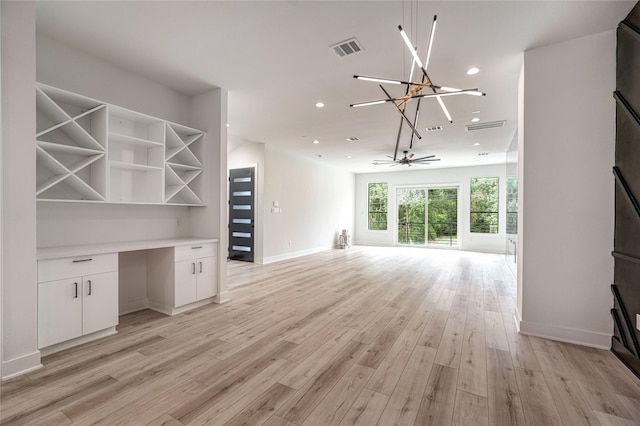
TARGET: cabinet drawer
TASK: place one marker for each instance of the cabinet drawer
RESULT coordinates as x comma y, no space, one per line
195,251
57,269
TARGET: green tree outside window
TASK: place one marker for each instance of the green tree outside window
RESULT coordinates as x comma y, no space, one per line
484,205
378,194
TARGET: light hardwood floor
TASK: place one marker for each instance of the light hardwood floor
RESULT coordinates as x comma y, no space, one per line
362,336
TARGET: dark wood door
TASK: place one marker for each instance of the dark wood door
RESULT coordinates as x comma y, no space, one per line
626,283
241,213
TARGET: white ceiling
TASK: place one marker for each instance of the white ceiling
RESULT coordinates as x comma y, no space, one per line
274,59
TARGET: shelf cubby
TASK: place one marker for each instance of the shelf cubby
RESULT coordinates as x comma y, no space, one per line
87,150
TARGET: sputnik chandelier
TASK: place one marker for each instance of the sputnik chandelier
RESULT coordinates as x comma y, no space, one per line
414,90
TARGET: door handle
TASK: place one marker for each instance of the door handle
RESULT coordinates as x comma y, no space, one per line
76,296
89,281
200,266
194,267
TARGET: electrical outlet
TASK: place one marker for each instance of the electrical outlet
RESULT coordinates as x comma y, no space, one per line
638,321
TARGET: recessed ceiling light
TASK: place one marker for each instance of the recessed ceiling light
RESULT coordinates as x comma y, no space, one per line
348,156
319,104
475,119
472,71
476,144
316,141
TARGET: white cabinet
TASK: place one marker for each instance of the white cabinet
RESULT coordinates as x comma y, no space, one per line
76,297
88,150
182,277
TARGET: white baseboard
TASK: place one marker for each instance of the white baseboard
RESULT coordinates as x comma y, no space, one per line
79,341
133,306
567,335
21,365
221,298
292,255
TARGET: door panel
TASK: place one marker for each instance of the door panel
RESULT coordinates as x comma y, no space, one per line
207,286
186,282
59,311
100,297
241,214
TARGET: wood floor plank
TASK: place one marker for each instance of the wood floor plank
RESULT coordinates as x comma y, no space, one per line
436,406
303,402
537,402
496,336
390,369
470,409
262,407
432,333
366,409
472,376
404,402
505,406
336,404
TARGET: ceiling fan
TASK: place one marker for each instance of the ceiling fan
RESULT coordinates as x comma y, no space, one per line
414,89
407,160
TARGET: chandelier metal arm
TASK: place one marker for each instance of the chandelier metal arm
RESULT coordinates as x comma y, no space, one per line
401,111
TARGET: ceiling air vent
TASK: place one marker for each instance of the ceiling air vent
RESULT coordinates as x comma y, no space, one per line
488,125
433,128
347,47
483,126
351,139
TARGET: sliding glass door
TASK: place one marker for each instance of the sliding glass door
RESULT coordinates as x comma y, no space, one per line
427,216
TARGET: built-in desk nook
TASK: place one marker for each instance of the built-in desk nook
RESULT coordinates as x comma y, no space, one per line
83,289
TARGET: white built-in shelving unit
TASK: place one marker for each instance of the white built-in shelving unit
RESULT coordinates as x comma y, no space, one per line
88,150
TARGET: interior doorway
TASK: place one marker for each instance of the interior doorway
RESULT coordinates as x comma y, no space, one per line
427,216
242,214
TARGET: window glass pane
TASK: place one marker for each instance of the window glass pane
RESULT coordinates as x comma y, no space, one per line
242,207
242,179
241,234
240,248
377,202
512,204
484,205
241,193
243,221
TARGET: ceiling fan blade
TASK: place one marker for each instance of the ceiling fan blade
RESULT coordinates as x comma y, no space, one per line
410,156
433,33
424,158
401,112
426,161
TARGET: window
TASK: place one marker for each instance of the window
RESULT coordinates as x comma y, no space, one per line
512,204
377,207
484,205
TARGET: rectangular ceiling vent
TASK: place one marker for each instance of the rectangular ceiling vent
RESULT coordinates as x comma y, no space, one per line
433,128
347,47
351,139
488,125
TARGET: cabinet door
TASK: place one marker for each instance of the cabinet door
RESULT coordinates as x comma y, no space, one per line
207,278
59,311
186,283
100,298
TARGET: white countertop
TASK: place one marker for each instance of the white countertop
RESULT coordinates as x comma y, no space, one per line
88,249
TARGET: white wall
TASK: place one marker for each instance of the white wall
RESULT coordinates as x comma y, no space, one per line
251,154
316,202
19,296
458,177
568,190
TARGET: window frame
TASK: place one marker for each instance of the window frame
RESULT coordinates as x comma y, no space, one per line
385,211
496,212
